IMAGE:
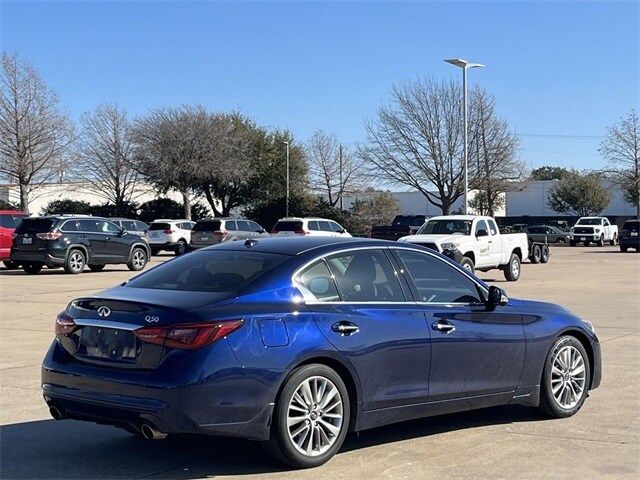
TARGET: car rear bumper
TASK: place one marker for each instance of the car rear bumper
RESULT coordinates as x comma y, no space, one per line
630,241
36,257
181,401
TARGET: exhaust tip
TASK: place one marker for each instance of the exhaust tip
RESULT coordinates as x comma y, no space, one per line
56,413
151,433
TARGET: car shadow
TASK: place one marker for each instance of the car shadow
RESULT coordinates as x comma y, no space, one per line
70,449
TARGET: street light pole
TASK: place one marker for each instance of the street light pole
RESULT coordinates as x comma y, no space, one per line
341,185
287,200
458,62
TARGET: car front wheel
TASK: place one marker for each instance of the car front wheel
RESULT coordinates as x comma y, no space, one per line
312,416
565,379
512,269
467,264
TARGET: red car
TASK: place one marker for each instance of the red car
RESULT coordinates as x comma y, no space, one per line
9,220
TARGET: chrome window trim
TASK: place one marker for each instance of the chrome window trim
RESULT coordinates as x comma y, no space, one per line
98,322
296,284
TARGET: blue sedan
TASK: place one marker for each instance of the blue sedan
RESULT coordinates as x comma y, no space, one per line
298,341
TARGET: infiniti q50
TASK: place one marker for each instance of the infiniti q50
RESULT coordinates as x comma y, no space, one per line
298,341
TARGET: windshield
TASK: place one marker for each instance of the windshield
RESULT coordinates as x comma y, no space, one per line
446,227
589,221
408,220
631,225
209,271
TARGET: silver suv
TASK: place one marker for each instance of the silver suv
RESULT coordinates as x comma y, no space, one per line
210,231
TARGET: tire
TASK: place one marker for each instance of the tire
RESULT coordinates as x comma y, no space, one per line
544,256
561,404
9,265
561,240
32,267
467,264
623,249
138,259
614,240
75,261
600,241
181,247
96,268
586,244
572,243
536,254
284,438
513,268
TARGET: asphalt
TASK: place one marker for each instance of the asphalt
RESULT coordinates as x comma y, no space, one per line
601,441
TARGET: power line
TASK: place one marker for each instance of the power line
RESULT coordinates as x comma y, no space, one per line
558,135
560,153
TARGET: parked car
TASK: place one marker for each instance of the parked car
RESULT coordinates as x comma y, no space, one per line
75,242
547,234
401,226
299,340
137,227
321,227
166,234
630,235
9,220
596,230
210,231
475,242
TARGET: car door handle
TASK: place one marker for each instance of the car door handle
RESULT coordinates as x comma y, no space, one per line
345,328
443,326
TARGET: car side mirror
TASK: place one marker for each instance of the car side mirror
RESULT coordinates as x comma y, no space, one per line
496,297
122,232
482,233
262,230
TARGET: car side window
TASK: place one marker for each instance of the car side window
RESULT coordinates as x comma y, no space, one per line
605,222
70,226
141,226
129,225
107,227
88,226
480,225
231,225
254,227
493,227
436,281
365,276
313,225
246,226
317,283
325,226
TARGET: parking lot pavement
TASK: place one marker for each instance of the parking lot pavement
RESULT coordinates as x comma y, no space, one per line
601,441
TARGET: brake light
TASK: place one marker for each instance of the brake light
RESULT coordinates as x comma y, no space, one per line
220,232
168,231
301,231
188,336
64,324
49,235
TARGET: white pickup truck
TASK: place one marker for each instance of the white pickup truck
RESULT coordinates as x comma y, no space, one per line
593,230
475,242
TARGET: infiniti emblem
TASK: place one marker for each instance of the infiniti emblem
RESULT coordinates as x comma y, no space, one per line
104,311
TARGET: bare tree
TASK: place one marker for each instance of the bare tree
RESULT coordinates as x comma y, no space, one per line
493,163
334,172
34,132
105,154
621,149
175,147
416,140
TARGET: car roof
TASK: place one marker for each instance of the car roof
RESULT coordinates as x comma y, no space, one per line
299,219
171,220
211,219
456,217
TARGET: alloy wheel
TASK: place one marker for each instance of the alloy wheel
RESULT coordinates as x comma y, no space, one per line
568,377
515,268
138,259
76,261
314,416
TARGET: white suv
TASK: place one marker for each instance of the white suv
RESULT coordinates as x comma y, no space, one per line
321,227
166,234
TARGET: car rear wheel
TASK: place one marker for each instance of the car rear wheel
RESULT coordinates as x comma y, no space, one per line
75,262
572,243
536,254
32,267
544,254
181,247
614,240
138,259
565,379
512,269
312,417
11,265
96,268
467,264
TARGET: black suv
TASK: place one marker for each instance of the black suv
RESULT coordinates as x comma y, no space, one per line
73,242
630,235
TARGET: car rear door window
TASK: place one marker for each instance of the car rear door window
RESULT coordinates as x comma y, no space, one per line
365,276
316,283
313,225
105,226
325,226
231,225
89,226
436,281
244,226
70,226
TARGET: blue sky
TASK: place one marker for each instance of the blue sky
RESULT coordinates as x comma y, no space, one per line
561,68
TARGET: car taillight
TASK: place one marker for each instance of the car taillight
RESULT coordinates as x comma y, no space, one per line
49,235
188,336
301,231
168,231
64,324
220,232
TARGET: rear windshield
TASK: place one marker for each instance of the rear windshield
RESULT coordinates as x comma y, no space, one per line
288,226
408,220
11,220
631,225
159,226
34,225
209,271
207,226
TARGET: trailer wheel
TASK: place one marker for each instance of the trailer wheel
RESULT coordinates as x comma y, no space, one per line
544,256
536,254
